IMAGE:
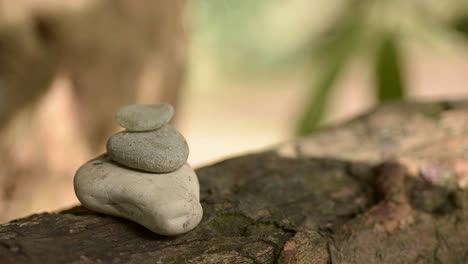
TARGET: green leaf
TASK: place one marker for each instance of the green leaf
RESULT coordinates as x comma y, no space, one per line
318,100
461,25
388,71
333,53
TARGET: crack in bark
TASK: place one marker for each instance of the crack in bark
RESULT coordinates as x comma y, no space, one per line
330,256
13,246
439,241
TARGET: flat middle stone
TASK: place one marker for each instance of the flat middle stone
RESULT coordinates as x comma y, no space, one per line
160,151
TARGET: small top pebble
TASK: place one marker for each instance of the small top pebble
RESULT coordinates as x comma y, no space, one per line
144,117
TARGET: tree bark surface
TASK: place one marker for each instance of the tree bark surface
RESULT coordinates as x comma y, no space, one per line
386,187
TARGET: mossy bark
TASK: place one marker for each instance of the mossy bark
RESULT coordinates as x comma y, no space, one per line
291,205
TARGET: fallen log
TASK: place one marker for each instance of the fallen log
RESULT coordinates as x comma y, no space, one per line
386,187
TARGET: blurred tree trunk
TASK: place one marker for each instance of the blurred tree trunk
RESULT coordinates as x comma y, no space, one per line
107,50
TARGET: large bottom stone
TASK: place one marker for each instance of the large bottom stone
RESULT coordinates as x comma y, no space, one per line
167,204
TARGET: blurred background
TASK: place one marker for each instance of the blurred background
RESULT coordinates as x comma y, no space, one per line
243,75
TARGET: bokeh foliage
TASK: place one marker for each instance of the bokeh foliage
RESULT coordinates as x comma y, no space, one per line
240,33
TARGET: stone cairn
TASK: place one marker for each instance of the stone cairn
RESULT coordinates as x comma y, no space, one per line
144,176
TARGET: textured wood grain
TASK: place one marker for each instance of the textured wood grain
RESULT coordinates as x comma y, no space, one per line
287,206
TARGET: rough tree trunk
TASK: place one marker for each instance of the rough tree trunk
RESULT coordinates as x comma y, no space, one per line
320,199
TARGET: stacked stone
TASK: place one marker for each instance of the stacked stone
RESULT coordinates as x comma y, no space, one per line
144,177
